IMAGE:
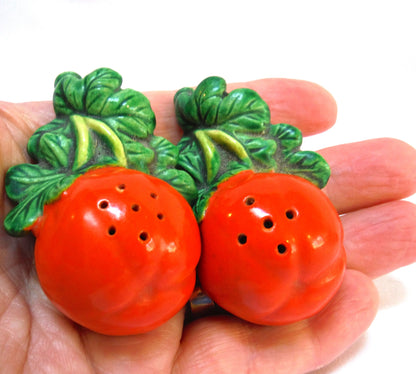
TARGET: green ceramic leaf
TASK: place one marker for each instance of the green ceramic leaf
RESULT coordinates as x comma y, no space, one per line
128,112
209,105
214,119
207,98
139,156
166,152
74,94
51,144
97,123
289,137
200,106
190,160
200,205
262,151
54,149
243,110
204,191
181,181
290,160
99,94
33,186
308,165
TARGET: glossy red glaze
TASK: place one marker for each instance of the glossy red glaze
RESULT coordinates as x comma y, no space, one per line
272,248
117,252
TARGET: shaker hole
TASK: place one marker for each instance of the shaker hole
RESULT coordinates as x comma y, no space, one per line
242,239
268,223
103,204
143,236
281,248
249,200
112,230
121,187
290,214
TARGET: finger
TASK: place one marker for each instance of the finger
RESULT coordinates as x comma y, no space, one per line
370,172
151,352
299,103
18,122
31,114
303,104
381,239
229,345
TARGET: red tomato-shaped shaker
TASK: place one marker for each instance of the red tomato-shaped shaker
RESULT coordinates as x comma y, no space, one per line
272,248
117,252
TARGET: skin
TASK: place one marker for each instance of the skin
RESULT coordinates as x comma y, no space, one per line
380,236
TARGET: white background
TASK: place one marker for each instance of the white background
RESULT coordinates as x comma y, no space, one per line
363,52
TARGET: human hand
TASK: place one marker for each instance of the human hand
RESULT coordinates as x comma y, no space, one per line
365,187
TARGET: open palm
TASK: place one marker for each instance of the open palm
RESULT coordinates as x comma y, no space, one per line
379,237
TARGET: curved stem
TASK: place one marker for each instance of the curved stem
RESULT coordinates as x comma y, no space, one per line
83,147
211,156
83,150
228,142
